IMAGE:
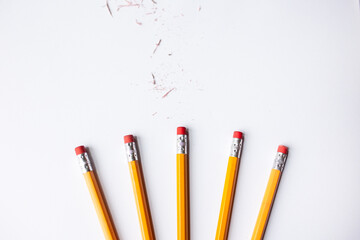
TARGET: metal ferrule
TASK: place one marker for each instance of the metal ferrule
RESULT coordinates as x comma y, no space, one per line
84,162
131,151
182,144
279,162
236,147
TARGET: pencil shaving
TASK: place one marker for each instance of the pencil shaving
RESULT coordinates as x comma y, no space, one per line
168,92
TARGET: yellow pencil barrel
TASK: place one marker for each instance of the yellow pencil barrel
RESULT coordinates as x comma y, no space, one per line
266,205
141,200
100,206
182,197
227,199
270,192
229,188
96,194
182,183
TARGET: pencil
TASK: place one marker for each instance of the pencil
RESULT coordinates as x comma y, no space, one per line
138,183
229,187
96,194
182,180
270,192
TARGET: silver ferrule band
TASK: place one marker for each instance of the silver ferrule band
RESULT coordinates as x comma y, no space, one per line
236,147
279,162
131,151
84,162
182,144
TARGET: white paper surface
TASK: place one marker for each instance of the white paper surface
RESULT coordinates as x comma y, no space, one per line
283,72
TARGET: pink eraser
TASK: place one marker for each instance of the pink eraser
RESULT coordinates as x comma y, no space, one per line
80,150
129,138
238,135
283,149
181,131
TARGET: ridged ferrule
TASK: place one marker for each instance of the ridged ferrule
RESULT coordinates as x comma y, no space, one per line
182,144
236,147
280,160
131,151
84,162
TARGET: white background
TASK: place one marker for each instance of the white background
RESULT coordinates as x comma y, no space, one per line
283,72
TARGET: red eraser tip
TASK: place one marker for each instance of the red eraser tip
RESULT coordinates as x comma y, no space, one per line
238,135
80,150
283,149
129,138
181,131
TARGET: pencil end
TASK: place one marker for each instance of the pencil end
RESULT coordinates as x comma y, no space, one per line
80,150
283,149
238,135
128,138
181,131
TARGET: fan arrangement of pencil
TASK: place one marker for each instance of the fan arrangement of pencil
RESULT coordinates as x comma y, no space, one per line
182,184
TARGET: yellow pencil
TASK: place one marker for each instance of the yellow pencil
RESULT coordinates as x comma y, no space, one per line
137,178
97,197
229,188
182,180
270,192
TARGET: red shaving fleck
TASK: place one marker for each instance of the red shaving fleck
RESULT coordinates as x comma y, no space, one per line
157,45
159,88
154,1
129,4
167,93
138,23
